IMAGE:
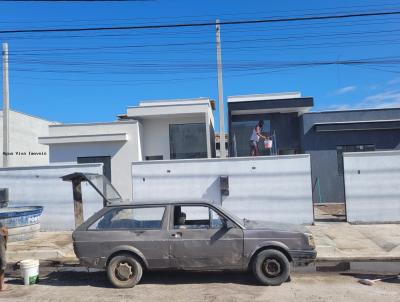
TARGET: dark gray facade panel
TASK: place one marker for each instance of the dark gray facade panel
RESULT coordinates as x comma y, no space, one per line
357,126
322,146
272,104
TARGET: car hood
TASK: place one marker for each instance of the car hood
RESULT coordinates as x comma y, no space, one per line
278,226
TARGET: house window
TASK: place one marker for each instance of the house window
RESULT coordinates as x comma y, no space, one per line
154,157
187,141
350,148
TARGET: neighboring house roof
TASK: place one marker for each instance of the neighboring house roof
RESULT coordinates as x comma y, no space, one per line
264,97
29,115
154,109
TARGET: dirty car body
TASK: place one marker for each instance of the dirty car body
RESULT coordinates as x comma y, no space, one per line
128,238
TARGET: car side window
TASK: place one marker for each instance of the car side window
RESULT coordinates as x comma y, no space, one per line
196,217
191,217
149,218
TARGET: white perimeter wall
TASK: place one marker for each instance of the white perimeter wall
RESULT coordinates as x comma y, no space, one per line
274,188
372,183
42,186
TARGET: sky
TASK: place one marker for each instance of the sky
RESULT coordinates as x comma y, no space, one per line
93,76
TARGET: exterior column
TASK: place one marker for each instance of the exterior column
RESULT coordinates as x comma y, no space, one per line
208,136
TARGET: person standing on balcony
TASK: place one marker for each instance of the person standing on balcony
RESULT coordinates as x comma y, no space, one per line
3,248
255,138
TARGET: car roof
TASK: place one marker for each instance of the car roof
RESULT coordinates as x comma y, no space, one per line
149,203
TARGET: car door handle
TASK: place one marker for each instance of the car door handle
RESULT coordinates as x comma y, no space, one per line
177,235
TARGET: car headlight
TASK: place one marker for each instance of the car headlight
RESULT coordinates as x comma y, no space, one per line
310,239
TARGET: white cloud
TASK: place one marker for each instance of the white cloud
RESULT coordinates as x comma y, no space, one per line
394,81
345,90
339,107
386,99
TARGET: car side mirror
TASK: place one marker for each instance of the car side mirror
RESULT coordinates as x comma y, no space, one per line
229,224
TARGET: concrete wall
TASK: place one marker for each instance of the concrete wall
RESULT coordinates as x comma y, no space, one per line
264,188
24,146
42,186
122,153
322,145
372,186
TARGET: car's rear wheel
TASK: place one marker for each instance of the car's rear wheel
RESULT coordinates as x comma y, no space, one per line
124,271
271,267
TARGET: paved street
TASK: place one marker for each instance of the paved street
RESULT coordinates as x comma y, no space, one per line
186,286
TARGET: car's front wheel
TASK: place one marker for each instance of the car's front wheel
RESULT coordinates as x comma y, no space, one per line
124,271
271,267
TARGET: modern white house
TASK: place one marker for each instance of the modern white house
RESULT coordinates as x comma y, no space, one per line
24,148
153,130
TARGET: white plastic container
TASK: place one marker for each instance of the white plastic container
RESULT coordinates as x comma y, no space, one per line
29,271
268,144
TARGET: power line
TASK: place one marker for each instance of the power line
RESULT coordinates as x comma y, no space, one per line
242,13
177,34
202,24
182,44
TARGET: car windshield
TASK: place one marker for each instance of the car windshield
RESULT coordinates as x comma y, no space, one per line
232,216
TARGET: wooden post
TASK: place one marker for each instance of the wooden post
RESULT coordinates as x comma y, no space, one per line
78,205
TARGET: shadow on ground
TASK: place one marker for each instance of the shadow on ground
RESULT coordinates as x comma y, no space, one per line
99,278
393,280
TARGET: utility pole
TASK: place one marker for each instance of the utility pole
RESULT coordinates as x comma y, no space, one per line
6,107
220,93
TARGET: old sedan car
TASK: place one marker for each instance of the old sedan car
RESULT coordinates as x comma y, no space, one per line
127,239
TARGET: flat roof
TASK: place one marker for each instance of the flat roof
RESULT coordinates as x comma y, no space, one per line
154,109
89,138
172,102
94,124
353,110
264,97
30,115
298,105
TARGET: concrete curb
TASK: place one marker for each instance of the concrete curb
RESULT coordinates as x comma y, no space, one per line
358,266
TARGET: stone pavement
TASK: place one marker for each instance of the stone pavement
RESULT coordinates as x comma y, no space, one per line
46,246
341,241
336,241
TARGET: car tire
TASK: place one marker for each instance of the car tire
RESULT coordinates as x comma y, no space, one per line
124,271
271,267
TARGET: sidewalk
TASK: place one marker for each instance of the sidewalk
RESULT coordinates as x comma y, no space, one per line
341,241
46,246
336,242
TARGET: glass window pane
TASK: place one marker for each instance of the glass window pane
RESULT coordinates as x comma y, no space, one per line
188,141
242,132
105,187
217,222
191,217
130,218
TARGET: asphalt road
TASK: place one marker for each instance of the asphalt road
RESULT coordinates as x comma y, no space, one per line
187,286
